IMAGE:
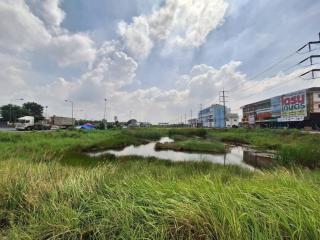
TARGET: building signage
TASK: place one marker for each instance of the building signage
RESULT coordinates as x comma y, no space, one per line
276,106
293,107
252,119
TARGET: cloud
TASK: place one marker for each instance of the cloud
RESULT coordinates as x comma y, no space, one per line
20,29
69,49
136,37
34,34
28,28
179,23
111,70
48,11
12,74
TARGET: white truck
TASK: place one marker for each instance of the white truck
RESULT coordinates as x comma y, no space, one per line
27,123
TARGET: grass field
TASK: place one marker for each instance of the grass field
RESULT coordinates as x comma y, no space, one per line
49,190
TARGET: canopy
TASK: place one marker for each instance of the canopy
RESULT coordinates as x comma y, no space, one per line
87,126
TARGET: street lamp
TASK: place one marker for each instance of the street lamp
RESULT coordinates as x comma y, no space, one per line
10,111
46,112
71,110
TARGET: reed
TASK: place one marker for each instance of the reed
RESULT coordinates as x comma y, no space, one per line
134,198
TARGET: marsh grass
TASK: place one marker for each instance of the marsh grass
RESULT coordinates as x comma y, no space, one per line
50,190
293,147
188,132
46,146
135,198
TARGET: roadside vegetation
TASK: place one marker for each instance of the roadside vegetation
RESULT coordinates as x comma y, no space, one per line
132,198
50,190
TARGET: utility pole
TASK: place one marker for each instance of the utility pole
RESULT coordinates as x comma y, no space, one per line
201,115
105,109
222,98
310,58
185,118
70,101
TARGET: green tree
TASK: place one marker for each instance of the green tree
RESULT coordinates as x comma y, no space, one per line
10,112
34,109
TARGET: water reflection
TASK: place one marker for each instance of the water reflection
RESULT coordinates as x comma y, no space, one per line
236,156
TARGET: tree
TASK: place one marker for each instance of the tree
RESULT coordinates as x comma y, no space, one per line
10,112
34,109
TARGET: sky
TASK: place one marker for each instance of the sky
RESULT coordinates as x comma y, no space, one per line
153,60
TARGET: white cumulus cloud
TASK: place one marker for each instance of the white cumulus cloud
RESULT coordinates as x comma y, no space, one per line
179,23
48,11
20,29
68,49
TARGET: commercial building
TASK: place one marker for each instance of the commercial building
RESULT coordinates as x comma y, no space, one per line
296,109
214,117
193,122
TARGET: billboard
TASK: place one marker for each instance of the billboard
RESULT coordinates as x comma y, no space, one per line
276,106
252,119
293,107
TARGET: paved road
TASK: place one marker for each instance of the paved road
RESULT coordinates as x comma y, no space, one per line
7,129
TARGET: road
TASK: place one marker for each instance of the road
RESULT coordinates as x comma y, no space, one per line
7,129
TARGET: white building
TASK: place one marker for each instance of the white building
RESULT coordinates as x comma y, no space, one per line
232,120
213,117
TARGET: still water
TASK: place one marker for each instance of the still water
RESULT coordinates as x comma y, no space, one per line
237,155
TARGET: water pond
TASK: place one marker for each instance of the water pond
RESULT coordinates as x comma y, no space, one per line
237,155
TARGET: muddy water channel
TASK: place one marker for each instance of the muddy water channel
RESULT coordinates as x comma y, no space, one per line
237,155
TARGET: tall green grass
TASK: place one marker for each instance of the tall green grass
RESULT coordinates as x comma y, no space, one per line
307,155
293,147
45,146
50,190
133,198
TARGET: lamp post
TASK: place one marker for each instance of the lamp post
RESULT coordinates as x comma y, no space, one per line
70,101
10,109
46,112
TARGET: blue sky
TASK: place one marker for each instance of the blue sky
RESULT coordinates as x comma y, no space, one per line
154,58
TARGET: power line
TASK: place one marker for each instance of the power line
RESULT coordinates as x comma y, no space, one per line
312,71
312,50
273,88
277,63
273,65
